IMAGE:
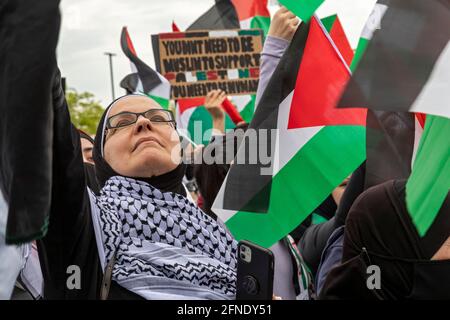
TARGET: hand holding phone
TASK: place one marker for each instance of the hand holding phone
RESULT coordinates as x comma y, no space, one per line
254,272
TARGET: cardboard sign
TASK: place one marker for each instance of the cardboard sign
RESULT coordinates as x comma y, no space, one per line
198,62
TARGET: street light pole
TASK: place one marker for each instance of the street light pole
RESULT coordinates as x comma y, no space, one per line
110,55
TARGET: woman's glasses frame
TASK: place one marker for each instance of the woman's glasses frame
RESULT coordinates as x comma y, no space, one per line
146,114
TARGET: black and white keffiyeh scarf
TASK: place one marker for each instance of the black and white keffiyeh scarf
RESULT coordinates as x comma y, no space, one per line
165,246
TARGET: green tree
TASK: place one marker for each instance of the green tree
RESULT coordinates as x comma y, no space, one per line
85,110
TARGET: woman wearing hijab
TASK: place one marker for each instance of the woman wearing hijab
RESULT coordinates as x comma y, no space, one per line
140,238
379,231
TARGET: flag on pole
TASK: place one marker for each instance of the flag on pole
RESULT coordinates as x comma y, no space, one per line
406,66
314,148
304,9
144,79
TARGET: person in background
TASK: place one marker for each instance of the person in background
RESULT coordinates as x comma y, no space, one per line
213,102
331,255
87,146
380,232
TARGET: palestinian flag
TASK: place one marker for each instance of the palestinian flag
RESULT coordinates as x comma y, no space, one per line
313,149
406,66
304,9
429,183
193,117
234,14
418,57
252,14
143,79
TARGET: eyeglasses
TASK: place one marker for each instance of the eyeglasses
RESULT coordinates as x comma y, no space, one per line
127,118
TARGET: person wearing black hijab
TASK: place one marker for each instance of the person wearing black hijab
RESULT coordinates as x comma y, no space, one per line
380,232
139,237
170,181
87,147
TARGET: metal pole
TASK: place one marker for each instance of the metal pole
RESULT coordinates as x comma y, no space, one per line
110,55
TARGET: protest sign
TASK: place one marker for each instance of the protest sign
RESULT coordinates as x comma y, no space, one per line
198,62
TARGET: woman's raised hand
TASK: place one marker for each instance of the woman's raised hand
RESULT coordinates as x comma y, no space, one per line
284,24
213,102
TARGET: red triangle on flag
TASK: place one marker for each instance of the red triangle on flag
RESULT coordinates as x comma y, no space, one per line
321,79
337,33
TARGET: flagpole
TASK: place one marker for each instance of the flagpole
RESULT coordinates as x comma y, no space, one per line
110,55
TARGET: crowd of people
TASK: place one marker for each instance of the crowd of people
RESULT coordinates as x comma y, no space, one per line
122,213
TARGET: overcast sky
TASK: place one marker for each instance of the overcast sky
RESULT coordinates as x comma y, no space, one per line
92,27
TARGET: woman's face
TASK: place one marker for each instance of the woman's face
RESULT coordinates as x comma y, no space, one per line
339,191
143,149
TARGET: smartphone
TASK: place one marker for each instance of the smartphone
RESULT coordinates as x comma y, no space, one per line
254,272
